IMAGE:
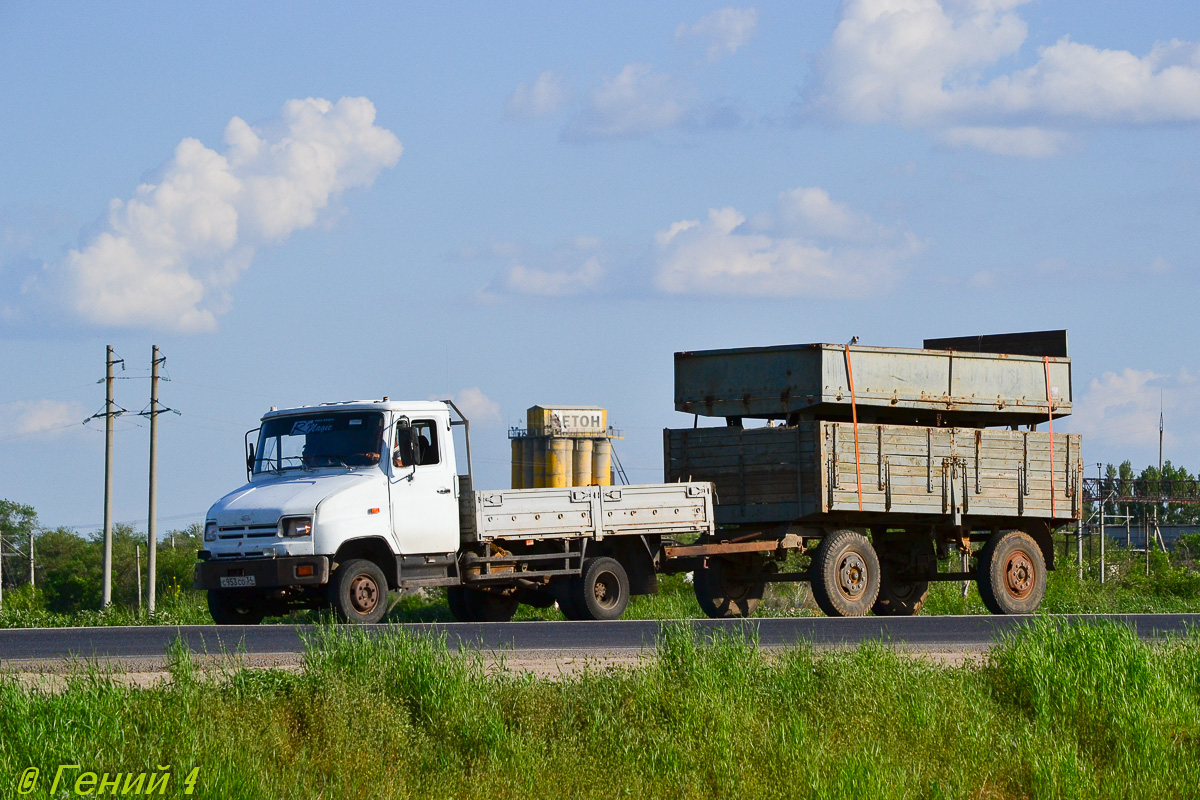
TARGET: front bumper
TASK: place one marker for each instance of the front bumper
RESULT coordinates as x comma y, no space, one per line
260,573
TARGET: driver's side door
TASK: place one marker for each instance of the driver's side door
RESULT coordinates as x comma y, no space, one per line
424,506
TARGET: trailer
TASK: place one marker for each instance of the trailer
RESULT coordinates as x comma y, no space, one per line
883,459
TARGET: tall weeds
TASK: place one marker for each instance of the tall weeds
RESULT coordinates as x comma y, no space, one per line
1079,711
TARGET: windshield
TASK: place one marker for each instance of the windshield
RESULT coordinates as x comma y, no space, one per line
330,439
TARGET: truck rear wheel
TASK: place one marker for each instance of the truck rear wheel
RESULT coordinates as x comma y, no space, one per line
601,592
720,593
1012,573
359,592
845,574
235,607
473,605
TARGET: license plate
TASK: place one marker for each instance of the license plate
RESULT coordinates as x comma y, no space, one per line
233,581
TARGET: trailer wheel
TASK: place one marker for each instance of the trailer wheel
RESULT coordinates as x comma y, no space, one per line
473,605
359,592
601,592
721,595
1012,573
897,599
845,574
235,607
900,598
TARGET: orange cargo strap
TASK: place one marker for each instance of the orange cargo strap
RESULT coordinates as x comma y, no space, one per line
854,416
1050,410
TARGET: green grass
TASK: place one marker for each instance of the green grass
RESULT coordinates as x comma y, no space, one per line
1084,711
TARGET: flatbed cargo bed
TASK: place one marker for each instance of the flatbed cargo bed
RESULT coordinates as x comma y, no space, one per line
590,512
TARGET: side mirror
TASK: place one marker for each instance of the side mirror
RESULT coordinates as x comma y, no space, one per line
249,460
407,444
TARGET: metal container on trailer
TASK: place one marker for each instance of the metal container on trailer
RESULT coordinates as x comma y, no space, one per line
891,384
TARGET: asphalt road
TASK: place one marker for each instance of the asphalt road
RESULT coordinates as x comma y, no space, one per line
941,634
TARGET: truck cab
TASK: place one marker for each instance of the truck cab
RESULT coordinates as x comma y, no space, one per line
328,485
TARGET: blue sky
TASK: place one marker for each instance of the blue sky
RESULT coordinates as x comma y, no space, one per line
541,202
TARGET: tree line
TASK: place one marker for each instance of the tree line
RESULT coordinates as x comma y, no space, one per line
67,565
1150,484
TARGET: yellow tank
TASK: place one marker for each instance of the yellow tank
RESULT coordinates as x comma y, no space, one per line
581,469
539,463
558,463
601,462
528,473
518,463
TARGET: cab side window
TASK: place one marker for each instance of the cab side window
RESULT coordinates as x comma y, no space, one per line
427,442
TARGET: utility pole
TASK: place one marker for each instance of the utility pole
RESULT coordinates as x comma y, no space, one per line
31,583
1160,484
110,413
1079,544
151,528
1100,470
106,590
137,555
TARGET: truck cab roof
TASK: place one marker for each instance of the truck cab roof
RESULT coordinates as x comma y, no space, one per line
410,407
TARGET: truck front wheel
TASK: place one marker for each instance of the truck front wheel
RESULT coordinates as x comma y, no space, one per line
235,607
359,591
845,574
1012,573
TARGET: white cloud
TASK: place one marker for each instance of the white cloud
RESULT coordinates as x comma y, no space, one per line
1025,142
922,62
571,267
635,102
475,405
521,279
30,417
725,30
1120,409
543,97
810,245
171,253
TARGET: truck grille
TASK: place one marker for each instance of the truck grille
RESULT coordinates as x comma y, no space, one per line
248,531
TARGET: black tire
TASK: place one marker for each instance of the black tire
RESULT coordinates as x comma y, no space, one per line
721,595
456,599
899,597
358,592
568,596
236,607
602,592
473,605
1011,574
845,574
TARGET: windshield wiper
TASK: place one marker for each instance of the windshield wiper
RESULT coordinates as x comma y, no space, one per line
303,465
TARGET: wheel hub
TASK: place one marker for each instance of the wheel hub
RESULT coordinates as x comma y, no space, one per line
605,590
364,594
1019,575
852,576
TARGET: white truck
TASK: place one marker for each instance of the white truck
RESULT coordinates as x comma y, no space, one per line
346,501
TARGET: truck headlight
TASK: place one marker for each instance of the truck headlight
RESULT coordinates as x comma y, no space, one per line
295,527
210,531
